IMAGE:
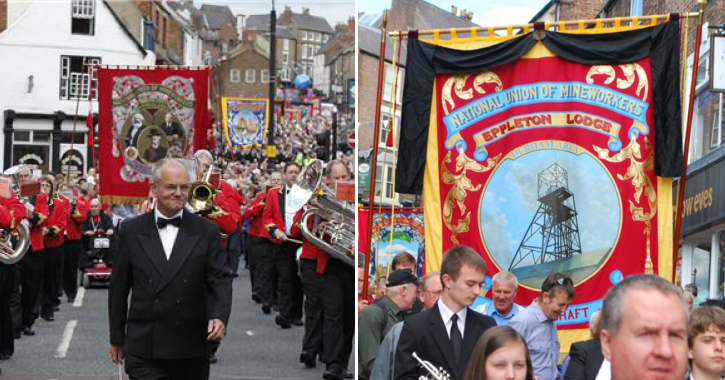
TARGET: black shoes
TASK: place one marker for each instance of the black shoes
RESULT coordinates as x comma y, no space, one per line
308,359
297,322
333,373
29,331
213,359
49,317
282,322
256,298
266,309
71,300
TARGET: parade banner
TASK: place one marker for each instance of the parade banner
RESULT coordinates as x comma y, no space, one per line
408,235
545,153
245,121
144,116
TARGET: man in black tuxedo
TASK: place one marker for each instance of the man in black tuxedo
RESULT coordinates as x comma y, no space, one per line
173,264
445,334
586,358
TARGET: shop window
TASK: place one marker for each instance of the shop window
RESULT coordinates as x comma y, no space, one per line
41,136
83,15
21,136
700,272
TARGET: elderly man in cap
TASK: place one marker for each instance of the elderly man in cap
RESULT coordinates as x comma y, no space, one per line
375,321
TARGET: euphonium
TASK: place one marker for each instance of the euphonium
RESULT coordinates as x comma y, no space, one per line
336,234
202,194
12,252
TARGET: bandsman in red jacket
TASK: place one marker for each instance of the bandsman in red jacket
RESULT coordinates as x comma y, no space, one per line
53,240
259,247
278,219
78,214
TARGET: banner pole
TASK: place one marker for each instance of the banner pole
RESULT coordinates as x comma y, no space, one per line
686,154
428,32
374,153
79,92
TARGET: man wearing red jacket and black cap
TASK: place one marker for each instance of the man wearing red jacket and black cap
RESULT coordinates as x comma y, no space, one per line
278,219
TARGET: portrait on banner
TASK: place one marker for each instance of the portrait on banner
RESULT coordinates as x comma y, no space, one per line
245,121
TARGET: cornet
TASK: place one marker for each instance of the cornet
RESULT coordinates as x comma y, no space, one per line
437,374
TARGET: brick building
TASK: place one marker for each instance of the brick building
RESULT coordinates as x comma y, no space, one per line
245,73
286,44
403,15
311,33
168,32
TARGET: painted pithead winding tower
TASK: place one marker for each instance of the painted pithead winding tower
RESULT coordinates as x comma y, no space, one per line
553,233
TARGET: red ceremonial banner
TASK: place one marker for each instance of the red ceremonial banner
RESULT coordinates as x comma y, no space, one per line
145,116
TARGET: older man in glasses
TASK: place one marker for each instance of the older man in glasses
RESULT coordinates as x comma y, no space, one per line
536,324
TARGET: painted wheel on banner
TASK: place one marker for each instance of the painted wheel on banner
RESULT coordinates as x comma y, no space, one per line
131,153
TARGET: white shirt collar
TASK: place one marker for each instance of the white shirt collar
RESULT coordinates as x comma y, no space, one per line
446,313
158,214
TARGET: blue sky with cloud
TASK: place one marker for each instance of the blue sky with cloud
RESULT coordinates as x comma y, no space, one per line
511,201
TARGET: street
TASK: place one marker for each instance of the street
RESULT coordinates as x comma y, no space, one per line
75,345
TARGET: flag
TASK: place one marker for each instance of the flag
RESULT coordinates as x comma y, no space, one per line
142,115
547,152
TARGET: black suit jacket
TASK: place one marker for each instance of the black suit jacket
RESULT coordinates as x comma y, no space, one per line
171,300
426,335
173,129
585,358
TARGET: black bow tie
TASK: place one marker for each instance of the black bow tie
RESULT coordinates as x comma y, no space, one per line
163,222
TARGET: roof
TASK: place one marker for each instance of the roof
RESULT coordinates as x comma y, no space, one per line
370,19
543,10
368,40
125,28
217,15
261,46
304,21
261,23
429,16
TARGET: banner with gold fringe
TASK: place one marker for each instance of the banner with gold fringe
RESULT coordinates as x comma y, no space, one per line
145,115
547,152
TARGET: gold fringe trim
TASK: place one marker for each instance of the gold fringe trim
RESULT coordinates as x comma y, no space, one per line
122,200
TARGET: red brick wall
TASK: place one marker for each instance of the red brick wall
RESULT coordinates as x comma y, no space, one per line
228,33
3,15
249,59
580,9
402,14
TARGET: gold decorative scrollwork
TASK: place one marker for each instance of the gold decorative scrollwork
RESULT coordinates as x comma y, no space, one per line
457,84
461,185
636,171
629,70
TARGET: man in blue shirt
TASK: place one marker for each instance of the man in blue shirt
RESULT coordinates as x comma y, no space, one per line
503,291
536,324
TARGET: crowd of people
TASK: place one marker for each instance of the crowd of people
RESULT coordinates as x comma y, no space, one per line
647,328
258,230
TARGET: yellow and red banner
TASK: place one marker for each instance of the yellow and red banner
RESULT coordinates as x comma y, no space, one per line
544,157
144,116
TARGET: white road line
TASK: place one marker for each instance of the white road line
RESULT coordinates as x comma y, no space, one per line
250,333
79,297
65,342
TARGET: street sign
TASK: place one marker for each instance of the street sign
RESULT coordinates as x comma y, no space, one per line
351,139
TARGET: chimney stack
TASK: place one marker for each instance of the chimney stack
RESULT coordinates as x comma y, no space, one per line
454,10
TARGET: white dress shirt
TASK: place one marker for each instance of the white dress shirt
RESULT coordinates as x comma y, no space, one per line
289,214
446,314
168,233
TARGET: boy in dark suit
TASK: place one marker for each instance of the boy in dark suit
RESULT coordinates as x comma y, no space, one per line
445,334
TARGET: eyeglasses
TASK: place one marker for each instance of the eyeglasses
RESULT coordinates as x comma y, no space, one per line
171,187
564,281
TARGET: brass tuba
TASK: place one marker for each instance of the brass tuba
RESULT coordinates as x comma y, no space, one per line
13,250
202,194
336,235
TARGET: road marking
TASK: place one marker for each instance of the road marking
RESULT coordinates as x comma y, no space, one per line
250,333
79,297
65,342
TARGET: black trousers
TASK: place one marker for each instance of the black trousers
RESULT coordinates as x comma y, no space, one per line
73,250
248,243
260,250
338,301
311,283
16,304
7,279
288,282
235,250
159,369
32,273
52,263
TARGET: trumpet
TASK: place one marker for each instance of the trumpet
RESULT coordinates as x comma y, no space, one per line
437,374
